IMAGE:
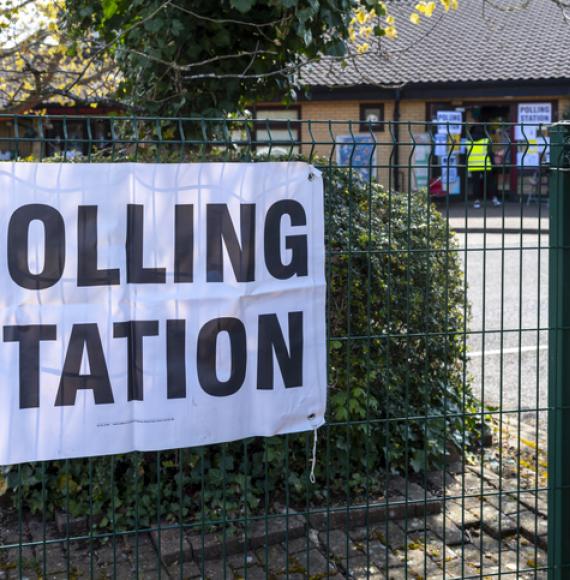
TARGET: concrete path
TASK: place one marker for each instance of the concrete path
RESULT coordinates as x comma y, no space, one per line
512,217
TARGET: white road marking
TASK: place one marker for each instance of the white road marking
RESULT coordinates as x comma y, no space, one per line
514,350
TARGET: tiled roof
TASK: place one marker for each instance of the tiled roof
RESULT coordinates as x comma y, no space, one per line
476,43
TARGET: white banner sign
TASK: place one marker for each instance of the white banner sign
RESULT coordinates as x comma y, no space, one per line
534,155
530,117
154,306
449,122
440,149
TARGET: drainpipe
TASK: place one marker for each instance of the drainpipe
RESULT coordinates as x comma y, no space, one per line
396,118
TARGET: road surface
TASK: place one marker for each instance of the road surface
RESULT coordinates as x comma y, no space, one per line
508,340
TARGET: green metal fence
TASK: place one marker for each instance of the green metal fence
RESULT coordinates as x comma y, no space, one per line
434,459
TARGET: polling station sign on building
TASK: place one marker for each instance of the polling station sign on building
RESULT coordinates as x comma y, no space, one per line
155,306
407,95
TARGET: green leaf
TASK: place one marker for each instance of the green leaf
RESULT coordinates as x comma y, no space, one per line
336,48
110,7
304,15
379,31
242,6
176,26
154,25
418,460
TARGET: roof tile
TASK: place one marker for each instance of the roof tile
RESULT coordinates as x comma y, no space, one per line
476,43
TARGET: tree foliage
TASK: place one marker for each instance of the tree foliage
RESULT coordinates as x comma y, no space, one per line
209,57
38,63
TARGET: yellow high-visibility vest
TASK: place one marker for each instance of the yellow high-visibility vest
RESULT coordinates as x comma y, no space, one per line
478,158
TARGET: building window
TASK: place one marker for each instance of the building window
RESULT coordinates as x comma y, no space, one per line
280,128
372,117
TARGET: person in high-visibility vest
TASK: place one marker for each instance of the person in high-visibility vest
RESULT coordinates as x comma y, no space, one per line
480,165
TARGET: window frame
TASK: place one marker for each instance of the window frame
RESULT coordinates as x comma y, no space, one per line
269,124
367,127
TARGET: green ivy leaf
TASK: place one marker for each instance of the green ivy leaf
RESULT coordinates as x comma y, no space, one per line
418,460
242,6
154,25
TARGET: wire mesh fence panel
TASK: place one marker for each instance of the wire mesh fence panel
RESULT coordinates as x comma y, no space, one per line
433,460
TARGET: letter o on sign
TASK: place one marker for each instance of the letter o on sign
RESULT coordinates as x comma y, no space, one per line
207,340
54,243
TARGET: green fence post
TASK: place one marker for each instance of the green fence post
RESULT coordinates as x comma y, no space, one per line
559,355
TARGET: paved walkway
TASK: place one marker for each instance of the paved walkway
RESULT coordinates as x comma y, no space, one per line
484,519
512,217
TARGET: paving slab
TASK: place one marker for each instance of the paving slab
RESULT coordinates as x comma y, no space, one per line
494,524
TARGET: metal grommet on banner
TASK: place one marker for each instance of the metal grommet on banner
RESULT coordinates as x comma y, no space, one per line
311,176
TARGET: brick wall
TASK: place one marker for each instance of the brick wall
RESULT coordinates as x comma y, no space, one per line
329,123
564,107
412,123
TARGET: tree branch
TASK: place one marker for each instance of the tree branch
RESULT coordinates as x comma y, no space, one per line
232,20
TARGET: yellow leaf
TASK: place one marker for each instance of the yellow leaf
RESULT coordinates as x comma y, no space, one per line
361,16
525,463
414,546
426,8
528,443
415,18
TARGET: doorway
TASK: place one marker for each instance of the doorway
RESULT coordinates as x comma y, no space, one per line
497,119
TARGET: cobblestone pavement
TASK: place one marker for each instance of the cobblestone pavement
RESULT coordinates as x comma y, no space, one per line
484,520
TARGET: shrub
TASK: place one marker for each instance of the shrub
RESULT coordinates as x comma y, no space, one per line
398,398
